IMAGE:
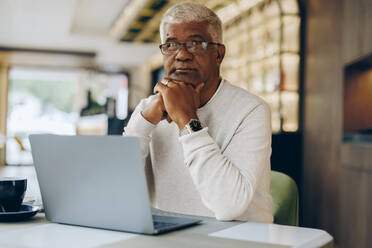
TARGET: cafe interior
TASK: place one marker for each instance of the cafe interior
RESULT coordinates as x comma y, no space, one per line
80,67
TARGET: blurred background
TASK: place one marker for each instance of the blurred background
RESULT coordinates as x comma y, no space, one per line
81,67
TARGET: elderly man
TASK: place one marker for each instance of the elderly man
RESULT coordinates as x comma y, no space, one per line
209,141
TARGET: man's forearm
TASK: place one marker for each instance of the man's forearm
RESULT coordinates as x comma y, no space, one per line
227,180
139,127
224,189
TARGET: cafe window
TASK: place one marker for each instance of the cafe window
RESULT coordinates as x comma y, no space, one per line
263,55
59,101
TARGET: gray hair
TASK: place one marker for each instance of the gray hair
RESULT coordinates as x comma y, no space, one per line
192,12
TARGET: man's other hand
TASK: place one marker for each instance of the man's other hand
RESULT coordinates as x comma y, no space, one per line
155,110
181,100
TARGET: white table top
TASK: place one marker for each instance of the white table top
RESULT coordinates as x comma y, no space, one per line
38,232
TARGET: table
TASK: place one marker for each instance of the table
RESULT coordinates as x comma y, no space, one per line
224,234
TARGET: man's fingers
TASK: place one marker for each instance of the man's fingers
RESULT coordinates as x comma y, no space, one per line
159,88
171,84
166,117
173,80
163,85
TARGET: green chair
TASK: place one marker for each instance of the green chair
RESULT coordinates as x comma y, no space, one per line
284,192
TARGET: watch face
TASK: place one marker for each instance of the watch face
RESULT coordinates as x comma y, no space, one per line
195,125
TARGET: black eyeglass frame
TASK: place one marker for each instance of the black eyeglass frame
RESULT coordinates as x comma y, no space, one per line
204,44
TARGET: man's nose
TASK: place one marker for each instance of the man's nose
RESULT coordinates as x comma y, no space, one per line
183,54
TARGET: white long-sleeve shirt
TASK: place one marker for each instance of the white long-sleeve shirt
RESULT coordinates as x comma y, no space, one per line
221,171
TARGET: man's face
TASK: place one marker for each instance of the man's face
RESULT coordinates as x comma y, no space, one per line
188,67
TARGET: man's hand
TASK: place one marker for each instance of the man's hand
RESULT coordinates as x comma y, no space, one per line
155,111
181,101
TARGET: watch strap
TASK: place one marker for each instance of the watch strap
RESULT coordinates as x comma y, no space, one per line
192,126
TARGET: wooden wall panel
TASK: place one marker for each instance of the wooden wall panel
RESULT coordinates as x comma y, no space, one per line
322,115
356,179
352,45
357,33
356,198
357,156
355,214
337,177
367,21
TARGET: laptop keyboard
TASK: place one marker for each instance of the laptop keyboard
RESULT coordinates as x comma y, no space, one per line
161,225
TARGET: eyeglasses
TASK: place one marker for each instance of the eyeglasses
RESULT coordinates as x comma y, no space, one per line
194,47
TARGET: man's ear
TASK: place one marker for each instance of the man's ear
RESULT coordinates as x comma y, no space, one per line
220,53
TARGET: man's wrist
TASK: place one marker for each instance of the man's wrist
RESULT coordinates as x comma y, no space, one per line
149,118
192,126
186,119
139,126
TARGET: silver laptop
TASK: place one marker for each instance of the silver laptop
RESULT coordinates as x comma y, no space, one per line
97,181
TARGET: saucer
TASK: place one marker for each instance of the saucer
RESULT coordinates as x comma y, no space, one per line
25,212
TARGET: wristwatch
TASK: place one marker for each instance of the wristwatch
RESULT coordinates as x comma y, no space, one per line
193,126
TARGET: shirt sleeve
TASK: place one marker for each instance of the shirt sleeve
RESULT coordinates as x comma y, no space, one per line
141,128
227,180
